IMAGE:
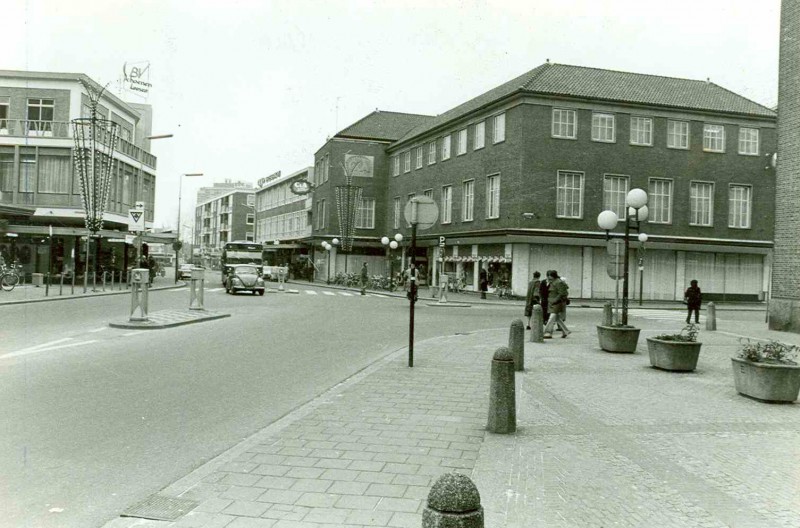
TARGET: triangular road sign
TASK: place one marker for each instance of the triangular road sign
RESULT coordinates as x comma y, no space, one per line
135,220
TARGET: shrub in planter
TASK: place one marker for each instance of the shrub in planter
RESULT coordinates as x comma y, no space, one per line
676,352
767,371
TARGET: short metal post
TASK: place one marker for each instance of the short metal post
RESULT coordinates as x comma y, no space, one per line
711,317
104,281
94,281
443,284
72,290
607,314
502,394
453,501
196,289
139,290
516,343
537,325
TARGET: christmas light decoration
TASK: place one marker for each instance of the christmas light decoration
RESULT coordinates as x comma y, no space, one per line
348,200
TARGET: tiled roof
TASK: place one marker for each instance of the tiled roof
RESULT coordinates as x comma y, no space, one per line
614,86
389,126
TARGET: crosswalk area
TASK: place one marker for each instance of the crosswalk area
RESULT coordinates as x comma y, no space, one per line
661,315
337,293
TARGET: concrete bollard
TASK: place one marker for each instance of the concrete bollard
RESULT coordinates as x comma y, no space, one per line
516,343
453,502
502,394
711,317
537,325
607,314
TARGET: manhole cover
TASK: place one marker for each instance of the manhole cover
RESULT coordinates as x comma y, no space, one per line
160,508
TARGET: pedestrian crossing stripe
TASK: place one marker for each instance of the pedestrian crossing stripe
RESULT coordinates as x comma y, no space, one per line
311,292
346,294
328,293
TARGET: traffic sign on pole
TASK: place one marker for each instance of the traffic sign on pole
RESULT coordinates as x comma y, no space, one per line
441,241
136,220
422,211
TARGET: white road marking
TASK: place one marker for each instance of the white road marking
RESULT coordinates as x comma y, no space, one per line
328,293
46,349
311,292
51,343
137,332
214,289
346,294
98,329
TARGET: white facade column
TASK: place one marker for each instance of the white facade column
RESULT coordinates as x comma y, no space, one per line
680,274
586,274
520,267
476,269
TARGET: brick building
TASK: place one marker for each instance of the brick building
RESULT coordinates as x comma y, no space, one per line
40,190
784,308
225,218
521,172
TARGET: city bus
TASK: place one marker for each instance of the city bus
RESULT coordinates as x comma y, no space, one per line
240,252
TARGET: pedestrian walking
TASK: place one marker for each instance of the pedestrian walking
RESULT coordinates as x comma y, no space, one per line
364,279
544,295
557,301
483,283
532,297
693,298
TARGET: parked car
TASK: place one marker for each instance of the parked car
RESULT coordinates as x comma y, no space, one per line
185,271
244,277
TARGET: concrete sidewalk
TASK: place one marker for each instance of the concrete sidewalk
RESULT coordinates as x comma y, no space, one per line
602,440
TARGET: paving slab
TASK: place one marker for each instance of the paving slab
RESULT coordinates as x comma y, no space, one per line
168,319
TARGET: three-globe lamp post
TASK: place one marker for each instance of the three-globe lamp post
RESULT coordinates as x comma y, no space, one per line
329,247
636,212
391,244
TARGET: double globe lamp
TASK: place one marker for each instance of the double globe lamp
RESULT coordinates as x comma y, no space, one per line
328,247
636,203
393,244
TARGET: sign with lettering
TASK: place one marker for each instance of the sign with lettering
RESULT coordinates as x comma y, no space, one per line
266,179
359,166
136,77
301,187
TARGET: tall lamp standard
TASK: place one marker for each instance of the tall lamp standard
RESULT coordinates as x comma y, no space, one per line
139,193
177,245
642,239
636,212
393,244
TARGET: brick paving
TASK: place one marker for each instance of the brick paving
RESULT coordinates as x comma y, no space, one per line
602,440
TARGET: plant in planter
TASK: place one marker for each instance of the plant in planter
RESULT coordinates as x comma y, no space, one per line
676,352
767,371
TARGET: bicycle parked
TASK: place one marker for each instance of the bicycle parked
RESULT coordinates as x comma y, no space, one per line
9,277
504,290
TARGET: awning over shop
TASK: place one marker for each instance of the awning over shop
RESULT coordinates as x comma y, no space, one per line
477,259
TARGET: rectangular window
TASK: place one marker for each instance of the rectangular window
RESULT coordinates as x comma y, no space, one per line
397,213
499,128
407,161
4,106
251,200
462,142
469,200
365,214
748,141
40,109
641,131
569,195
678,134
660,201
6,172
493,196
615,189
480,135
603,128
248,236
713,138
54,175
428,193
250,219
431,152
326,165
447,204
446,148
396,166
419,158
739,202
27,172
564,125
701,204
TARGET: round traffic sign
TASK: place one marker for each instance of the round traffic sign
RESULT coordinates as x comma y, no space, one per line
421,210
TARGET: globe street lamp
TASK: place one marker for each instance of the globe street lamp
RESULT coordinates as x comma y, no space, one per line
329,247
390,245
636,212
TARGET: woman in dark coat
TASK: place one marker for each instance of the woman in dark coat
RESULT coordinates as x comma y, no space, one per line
532,296
694,298
483,283
544,294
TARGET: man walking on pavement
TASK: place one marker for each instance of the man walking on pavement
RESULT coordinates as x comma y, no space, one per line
364,279
557,302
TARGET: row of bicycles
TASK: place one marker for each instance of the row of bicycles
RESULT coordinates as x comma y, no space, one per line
9,277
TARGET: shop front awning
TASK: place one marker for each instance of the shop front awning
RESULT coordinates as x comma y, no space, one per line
500,260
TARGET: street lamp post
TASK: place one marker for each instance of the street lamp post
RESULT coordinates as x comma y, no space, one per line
635,213
177,245
139,193
390,245
642,239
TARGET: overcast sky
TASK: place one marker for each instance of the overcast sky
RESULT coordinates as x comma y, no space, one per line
251,87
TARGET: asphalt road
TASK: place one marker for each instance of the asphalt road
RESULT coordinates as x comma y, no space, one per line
95,419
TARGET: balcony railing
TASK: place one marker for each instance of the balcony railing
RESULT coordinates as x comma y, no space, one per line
63,129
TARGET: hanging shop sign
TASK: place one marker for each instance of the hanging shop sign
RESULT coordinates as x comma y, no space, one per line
301,187
136,77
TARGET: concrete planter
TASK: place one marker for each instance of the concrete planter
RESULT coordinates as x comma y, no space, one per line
771,382
678,356
618,338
